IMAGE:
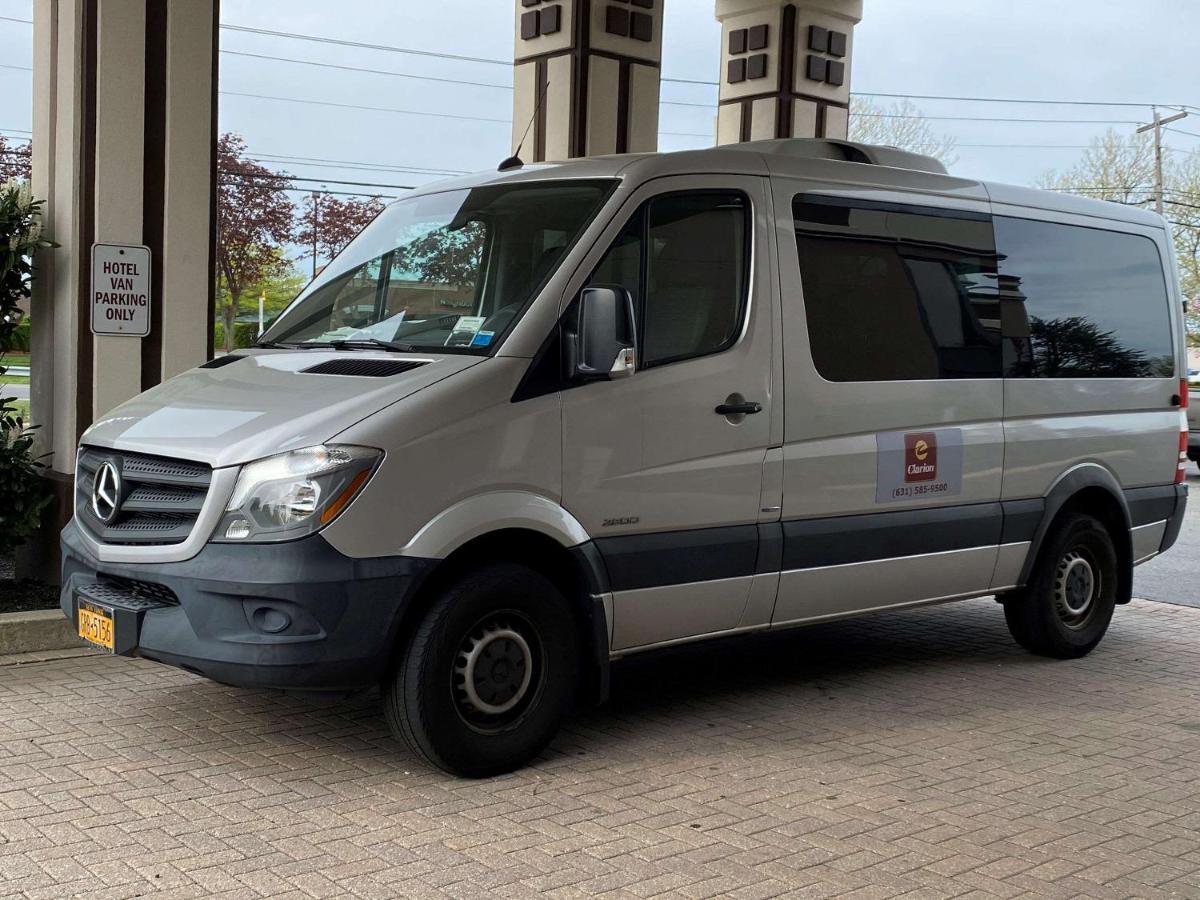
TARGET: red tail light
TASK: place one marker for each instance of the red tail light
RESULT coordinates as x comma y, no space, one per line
1181,472
1183,393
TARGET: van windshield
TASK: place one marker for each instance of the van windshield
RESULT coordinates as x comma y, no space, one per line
449,271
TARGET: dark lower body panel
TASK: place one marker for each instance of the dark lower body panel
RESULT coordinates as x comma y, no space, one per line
294,615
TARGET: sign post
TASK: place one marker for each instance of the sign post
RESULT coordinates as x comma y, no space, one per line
120,290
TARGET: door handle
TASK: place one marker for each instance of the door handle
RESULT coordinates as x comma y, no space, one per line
746,408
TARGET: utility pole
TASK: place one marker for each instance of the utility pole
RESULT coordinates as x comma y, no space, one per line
1157,127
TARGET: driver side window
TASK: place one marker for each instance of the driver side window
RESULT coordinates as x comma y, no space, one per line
684,259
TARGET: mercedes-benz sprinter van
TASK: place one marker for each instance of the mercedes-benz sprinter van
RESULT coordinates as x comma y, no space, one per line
532,421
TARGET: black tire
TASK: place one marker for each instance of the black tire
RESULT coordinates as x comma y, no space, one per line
1065,609
512,629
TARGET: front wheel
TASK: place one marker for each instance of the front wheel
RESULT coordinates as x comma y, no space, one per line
489,673
1065,609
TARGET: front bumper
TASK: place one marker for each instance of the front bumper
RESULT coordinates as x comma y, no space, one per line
293,615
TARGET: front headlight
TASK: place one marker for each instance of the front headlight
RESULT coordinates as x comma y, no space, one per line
294,494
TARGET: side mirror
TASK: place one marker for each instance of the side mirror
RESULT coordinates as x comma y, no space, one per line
603,345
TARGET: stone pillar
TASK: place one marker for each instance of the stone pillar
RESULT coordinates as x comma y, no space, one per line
124,136
594,65
785,68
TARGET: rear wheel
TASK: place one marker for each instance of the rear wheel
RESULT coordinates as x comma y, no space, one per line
489,673
1065,609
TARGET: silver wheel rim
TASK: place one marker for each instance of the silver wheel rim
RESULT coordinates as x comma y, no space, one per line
1075,587
494,669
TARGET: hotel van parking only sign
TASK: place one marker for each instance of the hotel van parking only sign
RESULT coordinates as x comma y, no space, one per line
121,290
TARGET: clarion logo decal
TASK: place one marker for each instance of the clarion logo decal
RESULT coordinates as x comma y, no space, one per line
920,456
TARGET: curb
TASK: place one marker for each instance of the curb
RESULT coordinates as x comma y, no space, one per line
35,632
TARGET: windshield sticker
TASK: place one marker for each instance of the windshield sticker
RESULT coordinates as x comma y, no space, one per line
465,330
483,339
913,465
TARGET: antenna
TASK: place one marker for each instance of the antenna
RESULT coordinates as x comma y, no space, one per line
514,161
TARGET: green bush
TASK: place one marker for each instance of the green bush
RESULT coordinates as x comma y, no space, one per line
18,340
23,493
244,335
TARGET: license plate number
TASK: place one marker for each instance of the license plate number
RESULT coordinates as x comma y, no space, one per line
96,625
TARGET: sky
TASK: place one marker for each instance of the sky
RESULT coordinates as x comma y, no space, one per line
1136,51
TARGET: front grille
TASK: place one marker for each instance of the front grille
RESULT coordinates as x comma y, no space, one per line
157,501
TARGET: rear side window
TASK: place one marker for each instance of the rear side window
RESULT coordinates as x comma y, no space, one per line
898,293
684,258
1082,302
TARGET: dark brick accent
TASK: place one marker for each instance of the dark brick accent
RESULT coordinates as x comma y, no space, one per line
616,21
641,27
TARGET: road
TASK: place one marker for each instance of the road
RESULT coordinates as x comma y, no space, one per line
1172,577
19,391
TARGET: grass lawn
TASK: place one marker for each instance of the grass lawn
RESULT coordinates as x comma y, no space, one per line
12,379
14,359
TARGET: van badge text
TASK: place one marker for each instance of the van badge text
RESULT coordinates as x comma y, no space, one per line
623,520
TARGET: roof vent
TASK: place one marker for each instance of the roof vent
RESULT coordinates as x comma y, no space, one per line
365,368
221,361
846,151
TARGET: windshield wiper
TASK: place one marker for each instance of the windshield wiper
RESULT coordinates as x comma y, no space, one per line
393,346
273,345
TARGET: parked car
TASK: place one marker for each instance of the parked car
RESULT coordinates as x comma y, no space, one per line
698,394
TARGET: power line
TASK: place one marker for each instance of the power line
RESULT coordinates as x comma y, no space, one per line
12,19
357,164
18,68
277,176
325,65
347,43
1010,100
387,109
997,119
439,80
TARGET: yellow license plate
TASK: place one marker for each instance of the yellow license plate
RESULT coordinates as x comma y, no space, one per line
96,625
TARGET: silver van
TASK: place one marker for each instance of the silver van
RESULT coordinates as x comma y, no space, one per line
533,421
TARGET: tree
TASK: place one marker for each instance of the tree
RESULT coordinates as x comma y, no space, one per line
1116,167
445,256
254,222
276,291
328,224
901,125
1183,210
16,160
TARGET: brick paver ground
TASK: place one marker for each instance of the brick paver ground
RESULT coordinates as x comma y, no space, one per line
917,755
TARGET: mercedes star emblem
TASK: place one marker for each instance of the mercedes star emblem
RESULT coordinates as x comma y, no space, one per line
106,493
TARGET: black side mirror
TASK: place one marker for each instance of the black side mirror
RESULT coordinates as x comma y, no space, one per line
603,344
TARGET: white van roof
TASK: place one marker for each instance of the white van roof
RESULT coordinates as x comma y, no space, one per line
863,166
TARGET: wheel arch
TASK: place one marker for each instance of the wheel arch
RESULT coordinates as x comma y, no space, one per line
576,569
1093,490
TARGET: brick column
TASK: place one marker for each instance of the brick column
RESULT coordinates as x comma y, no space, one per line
785,68
595,67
